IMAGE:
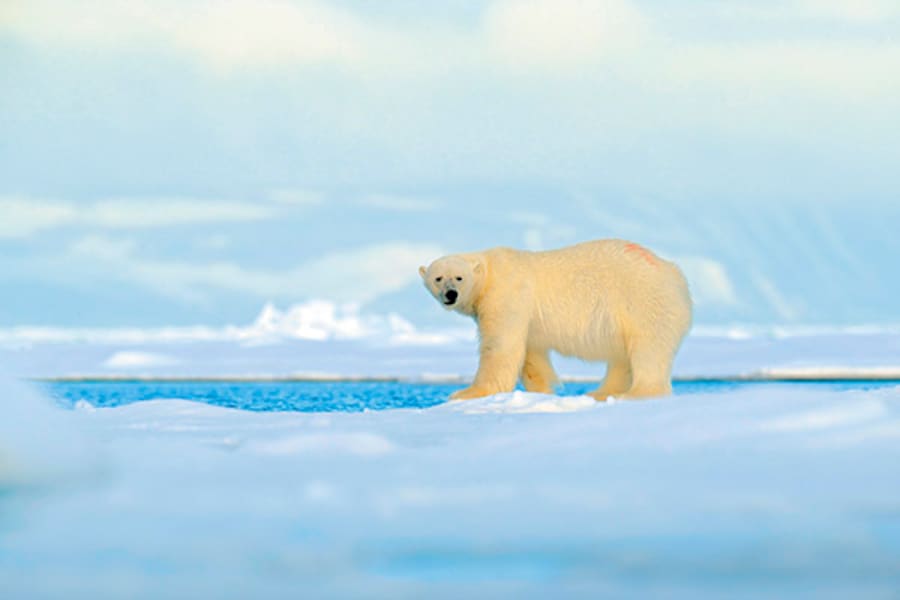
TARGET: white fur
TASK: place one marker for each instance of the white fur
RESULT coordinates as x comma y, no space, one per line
606,300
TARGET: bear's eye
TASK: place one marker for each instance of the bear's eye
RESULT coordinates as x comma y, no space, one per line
438,279
459,278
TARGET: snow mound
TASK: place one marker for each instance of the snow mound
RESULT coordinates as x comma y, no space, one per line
524,402
39,444
863,411
774,488
328,445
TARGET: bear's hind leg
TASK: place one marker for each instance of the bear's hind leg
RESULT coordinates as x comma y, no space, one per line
651,370
537,372
616,382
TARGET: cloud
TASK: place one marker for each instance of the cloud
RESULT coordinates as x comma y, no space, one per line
623,95
708,280
590,44
851,11
363,274
254,34
129,359
854,10
296,197
399,203
265,32
623,75
359,275
161,212
214,242
239,34
827,70
22,217
783,307
554,34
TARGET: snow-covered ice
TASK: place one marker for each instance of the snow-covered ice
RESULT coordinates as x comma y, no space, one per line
767,491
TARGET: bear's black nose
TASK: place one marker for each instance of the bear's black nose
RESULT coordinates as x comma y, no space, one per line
450,296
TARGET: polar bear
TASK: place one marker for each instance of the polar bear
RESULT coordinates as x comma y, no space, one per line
604,300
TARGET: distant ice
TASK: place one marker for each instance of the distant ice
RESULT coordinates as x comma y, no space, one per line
315,320
832,371
418,355
322,320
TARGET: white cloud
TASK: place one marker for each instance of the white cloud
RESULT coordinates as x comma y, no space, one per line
149,212
22,217
824,69
358,275
214,242
130,359
547,237
571,91
363,274
296,197
102,248
399,203
574,37
238,34
555,34
265,32
851,11
708,280
854,10
242,34
784,308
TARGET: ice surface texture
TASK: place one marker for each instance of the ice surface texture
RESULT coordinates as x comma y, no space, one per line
766,490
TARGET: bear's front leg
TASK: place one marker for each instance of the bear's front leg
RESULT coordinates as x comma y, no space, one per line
498,369
502,354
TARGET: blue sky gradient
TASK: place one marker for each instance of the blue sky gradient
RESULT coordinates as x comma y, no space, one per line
186,162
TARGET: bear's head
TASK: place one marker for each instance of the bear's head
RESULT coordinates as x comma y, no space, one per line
454,281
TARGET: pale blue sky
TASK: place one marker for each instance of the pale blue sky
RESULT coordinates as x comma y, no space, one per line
175,162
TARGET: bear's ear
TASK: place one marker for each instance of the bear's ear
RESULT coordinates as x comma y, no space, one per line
422,272
478,269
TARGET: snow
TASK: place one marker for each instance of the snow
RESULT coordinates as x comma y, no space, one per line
39,444
770,490
327,339
524,402
777,490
